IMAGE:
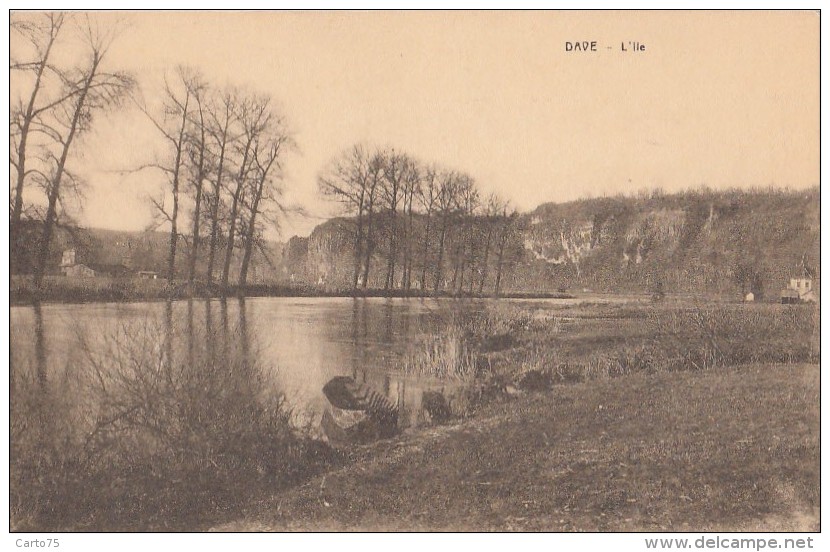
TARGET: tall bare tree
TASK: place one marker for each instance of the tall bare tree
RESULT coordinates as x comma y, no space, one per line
42,35
507,220
411,186
493,208
222,117
173,125
254,117
467,204
446,204
267,154
92,89
427,197
347,181
396,167
374,178
197,152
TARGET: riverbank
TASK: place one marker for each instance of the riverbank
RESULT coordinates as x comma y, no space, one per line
594,404
635,417
60,289
733,449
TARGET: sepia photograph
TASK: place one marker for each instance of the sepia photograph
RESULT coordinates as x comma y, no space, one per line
415,271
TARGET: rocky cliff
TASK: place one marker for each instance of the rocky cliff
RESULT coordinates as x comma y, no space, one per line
710,242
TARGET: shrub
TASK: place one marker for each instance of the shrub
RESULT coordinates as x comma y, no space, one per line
172,426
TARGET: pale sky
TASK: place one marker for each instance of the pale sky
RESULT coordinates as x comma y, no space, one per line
717,98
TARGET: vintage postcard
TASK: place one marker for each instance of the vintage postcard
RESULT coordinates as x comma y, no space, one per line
462,271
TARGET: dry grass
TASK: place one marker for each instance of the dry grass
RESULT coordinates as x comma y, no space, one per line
721,450
446,355
168,428
608,342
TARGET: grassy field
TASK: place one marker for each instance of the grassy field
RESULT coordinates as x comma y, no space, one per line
730,449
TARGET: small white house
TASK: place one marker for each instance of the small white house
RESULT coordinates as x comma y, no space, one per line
801,285
799,290
750,297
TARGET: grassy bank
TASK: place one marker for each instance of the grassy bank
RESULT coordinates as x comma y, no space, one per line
730,449
60,289
654,417
641,416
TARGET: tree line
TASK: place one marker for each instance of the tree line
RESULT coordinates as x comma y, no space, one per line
222,161
416,225
224,156
430,224
56,103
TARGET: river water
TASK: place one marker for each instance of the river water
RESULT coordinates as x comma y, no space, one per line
299,343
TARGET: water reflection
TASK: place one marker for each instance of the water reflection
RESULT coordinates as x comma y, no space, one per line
298,343
40,347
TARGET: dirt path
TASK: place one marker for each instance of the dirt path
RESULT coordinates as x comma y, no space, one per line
730,449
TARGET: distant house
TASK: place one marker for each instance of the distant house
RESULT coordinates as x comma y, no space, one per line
750,297
799,290
147,275
70,267
801,285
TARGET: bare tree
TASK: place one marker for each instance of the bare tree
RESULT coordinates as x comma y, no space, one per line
493,209
467,203
446,205
42,35
197,153
396,167
427,197
173,126
374,178
267,169
507,220
91,89
254,117
347,181
222,116
411,185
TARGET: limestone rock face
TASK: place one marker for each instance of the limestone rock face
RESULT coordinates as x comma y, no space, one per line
692,242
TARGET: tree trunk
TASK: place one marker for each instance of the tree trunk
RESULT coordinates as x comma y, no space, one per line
485,263
243,172
358,244
214,214
390,266
200,176
54,189
497,286
408,263
370,244
439,264
249,238
249,242
174,231
425,256
28,117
